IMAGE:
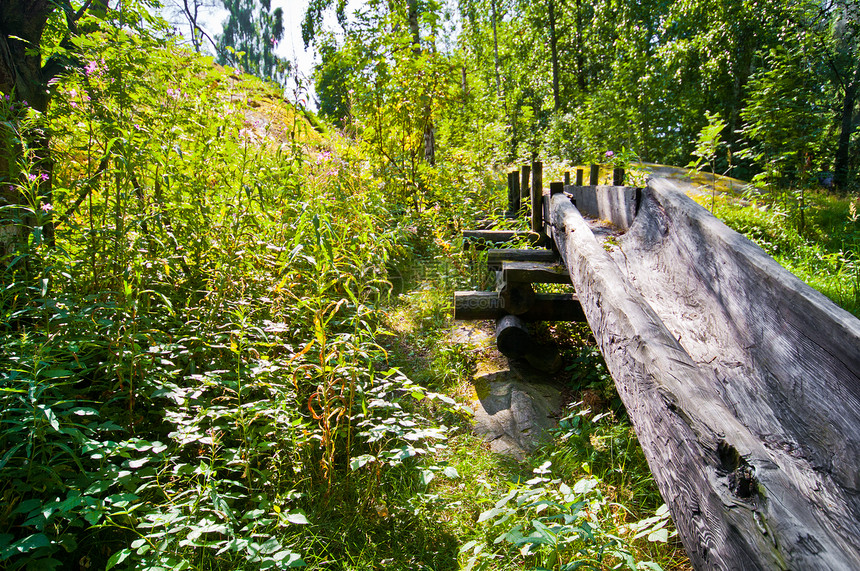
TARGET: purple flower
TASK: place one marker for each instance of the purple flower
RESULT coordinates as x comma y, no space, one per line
47,207
44,177
91,68
609,154
174,93
32,177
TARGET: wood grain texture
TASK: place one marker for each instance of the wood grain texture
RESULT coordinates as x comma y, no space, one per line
479,239
546,307
740,380
535,273
617,204
496,256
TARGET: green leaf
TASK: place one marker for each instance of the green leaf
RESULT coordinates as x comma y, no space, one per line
297,518
659,536
117,558
359,461
32,542
491,513
426,477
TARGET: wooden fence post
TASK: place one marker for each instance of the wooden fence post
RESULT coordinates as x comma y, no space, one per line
595,172
556,188
537,197
524,182
566,178
513,193
617,177
579,176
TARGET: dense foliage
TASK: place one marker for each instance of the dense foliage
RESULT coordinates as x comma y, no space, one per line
223,332
571,80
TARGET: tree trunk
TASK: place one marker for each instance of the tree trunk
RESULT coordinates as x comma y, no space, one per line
553,46
841,164
496,50
23,80
580,56
429,135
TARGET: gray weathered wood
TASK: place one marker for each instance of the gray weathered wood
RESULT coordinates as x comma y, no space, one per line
513,193
535,272
496,256
546,307
525,174
617,176
617,204
479,239
512,337
516,297
537,197
741,381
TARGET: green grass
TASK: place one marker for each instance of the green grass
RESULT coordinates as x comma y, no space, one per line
826,255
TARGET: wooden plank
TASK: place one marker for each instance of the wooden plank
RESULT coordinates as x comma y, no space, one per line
535,273
547,307
496,256
751,422
594,174
479,239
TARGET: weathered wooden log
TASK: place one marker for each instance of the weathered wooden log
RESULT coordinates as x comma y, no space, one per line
535,273
743,384
479,239
512,337
517,297
496,256
579,175
594,175
566,178
547,307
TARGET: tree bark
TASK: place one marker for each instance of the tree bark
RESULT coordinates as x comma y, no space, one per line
23,80
496,50
553,47
841,163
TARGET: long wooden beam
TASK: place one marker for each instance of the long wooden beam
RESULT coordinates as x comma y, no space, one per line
743,389
482,239
489,305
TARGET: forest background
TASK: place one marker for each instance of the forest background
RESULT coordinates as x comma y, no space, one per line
224,317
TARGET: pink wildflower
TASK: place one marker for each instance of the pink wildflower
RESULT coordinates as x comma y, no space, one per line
609,154
91,68
47,207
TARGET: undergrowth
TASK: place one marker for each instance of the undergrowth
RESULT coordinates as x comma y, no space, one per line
824,252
